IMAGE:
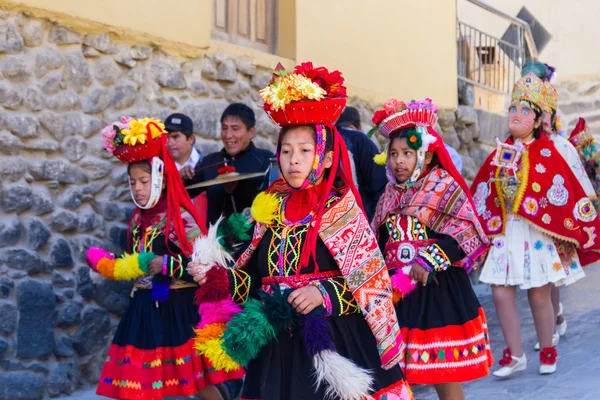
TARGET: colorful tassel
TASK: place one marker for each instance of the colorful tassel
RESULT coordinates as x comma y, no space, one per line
240,227
129,267
317,334
402,282
208,251
264,208
381,158
247,333
277,309
345,380
216,287
217,312
214,351
209,332
161,287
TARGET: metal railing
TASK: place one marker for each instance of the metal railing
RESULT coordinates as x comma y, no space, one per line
490,62
487,61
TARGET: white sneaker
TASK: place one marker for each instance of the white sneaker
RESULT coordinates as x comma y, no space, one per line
520,365
562,327
555,341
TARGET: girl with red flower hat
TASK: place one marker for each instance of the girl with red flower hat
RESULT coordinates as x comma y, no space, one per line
318,319
152,354
431,237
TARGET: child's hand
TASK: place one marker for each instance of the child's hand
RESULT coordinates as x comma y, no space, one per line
305,299
198,272
419,274
155,266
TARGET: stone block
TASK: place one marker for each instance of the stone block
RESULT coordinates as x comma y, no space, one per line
113,295
32,33
37,234
42,203
6,287
11,40
71,198
8,318
63,379
10,98
97,100
74,148
227,71
65,101
11,144
35,331
168,76
69,314
60,35
24,126
465,115
206,116
491,126
76,71
64,221
34,99
101,42
47,59
11,231
21,385
106,71
93,333
58,170
23,260
16,69
12,169
17,198
124,96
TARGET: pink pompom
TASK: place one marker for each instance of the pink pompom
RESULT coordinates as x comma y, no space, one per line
95,254
403,282
217,312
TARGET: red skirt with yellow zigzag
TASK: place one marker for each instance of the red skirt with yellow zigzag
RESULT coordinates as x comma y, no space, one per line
152,355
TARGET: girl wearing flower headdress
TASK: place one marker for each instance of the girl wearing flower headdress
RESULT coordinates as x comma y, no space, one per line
536,214
431,237
152,354
552,127
318,318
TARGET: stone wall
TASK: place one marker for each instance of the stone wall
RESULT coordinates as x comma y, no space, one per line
580,99
61,192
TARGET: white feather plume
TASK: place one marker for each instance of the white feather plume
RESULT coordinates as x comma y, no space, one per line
208,252
345,380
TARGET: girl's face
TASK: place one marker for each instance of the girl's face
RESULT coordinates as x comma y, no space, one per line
521,122
403,159
140,182
297,156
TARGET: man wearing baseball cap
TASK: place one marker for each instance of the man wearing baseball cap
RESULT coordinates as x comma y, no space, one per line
181,142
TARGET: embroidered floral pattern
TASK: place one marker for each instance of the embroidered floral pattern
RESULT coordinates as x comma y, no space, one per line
531,206
543,202
538,245
481,195
487,215
546,218
545,153
536,187
558,194
494,224
569,223
584,210
540,169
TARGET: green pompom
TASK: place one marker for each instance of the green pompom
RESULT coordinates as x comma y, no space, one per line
144,259
239,226
247,332
414,140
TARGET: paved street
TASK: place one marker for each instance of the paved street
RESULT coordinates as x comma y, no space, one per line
578,375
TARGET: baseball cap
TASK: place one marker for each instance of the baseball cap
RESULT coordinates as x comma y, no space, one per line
179,123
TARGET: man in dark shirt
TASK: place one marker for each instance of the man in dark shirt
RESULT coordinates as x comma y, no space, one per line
237,131
369,177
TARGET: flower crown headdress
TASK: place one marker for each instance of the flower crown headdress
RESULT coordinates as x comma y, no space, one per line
308,95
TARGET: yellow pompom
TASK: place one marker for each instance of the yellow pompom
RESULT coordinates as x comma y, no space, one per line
127,268
217,356
381,158
264,208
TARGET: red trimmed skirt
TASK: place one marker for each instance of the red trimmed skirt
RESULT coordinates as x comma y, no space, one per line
445,331
152,355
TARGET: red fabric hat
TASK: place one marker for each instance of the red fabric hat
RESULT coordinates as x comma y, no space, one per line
324,112
149,144
406,119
